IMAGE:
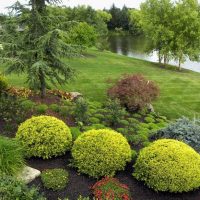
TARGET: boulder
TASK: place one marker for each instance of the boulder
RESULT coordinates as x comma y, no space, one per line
28,174
75,95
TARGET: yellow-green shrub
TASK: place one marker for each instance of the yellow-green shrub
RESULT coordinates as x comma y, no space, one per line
44,136
101,152
168,165
3,83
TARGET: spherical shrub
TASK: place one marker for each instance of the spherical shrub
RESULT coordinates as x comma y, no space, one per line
101,152
11,156
44,136
55,179
168,165
134,91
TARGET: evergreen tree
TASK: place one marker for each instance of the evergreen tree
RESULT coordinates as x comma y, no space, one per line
37,49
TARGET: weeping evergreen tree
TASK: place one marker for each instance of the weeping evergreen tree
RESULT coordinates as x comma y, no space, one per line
35,48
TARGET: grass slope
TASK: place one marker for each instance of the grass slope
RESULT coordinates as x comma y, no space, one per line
179,90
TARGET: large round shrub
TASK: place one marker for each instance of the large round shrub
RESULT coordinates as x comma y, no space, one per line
169,165
44,136
101,152
134,91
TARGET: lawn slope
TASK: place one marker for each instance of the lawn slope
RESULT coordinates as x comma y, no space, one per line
180,91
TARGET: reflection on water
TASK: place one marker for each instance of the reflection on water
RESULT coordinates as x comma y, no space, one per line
136,46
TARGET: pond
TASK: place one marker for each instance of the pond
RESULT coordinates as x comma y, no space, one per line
132,46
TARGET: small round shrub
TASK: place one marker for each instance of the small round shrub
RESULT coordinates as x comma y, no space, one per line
94,126
123,122
168,165
3,83
94,120
27,105
11,188
54,107
44,136
11,156
41,109
55,179
101,152
149,120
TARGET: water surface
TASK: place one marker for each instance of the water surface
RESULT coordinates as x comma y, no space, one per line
135,47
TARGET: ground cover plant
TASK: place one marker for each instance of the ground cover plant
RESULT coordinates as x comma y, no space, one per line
168,165
11,188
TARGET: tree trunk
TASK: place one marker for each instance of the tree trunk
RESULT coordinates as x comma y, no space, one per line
159,57
165,60
179,64
42,86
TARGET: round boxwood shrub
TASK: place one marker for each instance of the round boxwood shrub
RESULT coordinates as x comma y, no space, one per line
3,83
44,136
101,152
168,165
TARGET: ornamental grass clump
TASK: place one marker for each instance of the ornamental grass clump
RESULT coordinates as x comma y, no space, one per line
101,152
168,165
44,137
11,156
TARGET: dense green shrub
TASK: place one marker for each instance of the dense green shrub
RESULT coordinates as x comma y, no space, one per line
11,156
41,108
134,91
3,83
65,111
55,179
54,107
149,120
27,105
123,122
94,126
111,188
101,152
94,120
13,189
185,130
114,112
44,136
168,165
75,131
11,111
81,110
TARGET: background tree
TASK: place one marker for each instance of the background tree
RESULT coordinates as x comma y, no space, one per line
186,28
155,19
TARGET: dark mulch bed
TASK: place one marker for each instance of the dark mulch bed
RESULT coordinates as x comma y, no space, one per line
80,184
49,99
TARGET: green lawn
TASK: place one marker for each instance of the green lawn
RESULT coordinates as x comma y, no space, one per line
180,91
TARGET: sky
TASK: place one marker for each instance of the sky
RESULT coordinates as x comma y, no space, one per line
97,4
